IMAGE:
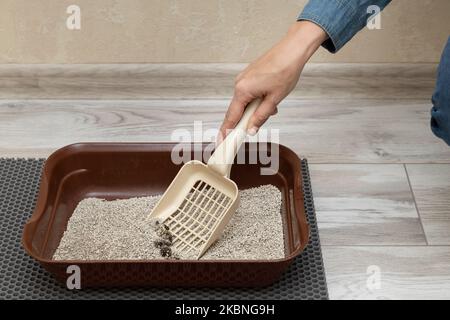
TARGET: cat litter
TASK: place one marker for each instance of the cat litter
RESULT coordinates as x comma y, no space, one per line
120,230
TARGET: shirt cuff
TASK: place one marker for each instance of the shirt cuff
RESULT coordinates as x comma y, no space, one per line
341,20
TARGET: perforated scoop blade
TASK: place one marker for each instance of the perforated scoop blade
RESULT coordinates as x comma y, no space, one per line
201,199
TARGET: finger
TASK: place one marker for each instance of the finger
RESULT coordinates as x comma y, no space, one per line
275,111
219,137
232,117
267,108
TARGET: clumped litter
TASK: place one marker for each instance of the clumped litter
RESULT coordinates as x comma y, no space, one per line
120,230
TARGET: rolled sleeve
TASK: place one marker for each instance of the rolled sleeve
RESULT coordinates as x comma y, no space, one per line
340,19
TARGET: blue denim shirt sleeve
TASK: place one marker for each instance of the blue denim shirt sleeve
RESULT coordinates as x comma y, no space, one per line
340,19
440,113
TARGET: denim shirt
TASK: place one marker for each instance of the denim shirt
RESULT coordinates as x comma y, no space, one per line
340,19
440,113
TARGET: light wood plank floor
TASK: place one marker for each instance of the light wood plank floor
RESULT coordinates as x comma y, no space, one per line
324,131
381,180
365,204
431,187
404,272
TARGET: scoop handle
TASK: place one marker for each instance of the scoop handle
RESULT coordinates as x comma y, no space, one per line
224,155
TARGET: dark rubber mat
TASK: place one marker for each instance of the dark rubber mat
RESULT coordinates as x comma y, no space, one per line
23,278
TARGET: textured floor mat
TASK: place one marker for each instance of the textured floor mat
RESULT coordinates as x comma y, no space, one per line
23,278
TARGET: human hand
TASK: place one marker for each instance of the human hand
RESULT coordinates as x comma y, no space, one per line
272,76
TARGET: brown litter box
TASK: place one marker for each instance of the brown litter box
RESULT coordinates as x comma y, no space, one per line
119,170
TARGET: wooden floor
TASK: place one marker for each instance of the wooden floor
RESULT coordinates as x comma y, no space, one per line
381,180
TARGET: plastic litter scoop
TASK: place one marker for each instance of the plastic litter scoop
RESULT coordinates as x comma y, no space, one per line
201,199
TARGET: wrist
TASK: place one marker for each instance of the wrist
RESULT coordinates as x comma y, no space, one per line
306,37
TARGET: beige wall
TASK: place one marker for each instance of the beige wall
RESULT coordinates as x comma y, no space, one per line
202,31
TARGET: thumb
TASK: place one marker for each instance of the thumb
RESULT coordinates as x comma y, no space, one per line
266,109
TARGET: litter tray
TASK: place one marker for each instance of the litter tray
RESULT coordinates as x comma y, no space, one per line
124,170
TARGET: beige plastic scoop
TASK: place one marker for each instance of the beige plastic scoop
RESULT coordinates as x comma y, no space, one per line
201,199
